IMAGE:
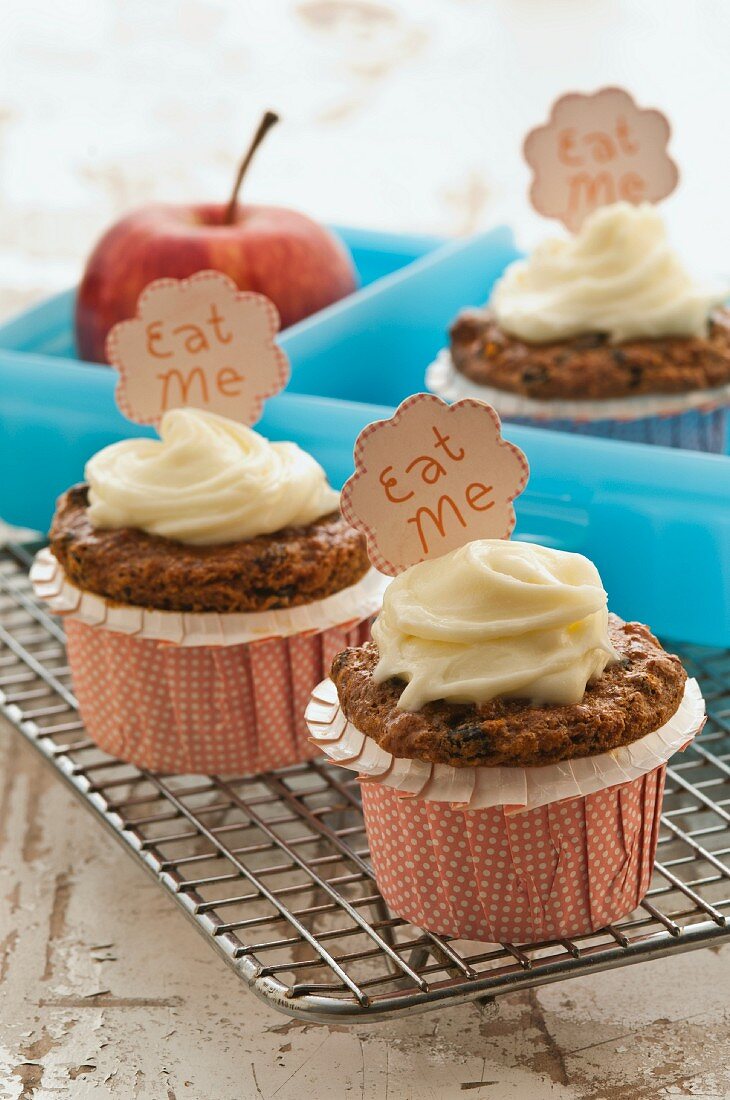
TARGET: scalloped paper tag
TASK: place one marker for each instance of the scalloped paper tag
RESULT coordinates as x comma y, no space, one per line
197,342
432,478
595,150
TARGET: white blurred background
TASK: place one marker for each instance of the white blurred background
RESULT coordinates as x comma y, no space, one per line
401,114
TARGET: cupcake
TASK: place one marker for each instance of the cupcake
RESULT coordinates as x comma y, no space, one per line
512,738
603,333
207,579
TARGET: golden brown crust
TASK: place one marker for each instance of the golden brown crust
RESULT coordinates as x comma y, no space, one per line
589,367
294,566
633,697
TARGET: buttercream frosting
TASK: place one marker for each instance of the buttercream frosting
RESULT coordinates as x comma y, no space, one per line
494,618
618,275
207,480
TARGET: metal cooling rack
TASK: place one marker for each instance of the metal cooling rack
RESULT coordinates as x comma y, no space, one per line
273,869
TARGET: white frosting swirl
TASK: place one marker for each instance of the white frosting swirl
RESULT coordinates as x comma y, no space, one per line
617,276
494,618
207,480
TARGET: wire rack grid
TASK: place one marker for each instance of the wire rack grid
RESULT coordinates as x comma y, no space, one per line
273,869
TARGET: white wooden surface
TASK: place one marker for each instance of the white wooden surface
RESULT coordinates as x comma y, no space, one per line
403,115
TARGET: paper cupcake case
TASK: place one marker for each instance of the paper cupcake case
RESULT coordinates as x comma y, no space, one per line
696,421
203,693
564,869
510,854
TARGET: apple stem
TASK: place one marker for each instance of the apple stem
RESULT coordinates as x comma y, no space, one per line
270,119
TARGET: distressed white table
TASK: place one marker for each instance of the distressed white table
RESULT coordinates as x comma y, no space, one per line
403,115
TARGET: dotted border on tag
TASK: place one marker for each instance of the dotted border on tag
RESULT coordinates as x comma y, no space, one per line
283,372
376,557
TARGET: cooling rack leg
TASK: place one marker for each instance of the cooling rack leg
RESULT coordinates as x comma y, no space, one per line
487,1007
418,957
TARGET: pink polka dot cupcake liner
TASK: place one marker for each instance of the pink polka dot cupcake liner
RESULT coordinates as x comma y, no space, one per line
230,710
564,869
510,854
151,693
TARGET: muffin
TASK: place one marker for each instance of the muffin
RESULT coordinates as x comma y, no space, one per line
207,579
603,333
512,736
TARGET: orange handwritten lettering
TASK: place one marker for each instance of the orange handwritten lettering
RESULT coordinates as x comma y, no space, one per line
442,441
216,320
586,191
388,483
628,147
476,492
154,335
632,187
226,379
566,145
437,518
432,468
195,341
601,145
184,383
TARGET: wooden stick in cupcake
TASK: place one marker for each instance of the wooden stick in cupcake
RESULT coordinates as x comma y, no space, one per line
511,734
207,576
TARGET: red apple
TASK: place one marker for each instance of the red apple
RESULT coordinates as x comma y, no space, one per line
296,262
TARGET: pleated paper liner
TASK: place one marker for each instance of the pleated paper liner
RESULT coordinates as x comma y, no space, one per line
206,709
694,421
563,869
202,693
510,854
